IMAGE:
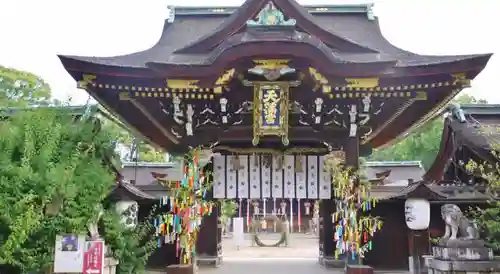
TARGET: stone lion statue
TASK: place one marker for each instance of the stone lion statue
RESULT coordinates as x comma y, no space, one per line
456,224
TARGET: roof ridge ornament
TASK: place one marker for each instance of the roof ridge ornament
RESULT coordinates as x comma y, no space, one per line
270,16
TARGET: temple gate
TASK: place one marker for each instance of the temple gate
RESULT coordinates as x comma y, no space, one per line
269,88
273,184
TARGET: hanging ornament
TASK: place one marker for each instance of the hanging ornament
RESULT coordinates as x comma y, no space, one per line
283,208
353,230
307,206
187,206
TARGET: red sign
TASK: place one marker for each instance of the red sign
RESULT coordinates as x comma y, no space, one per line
93,257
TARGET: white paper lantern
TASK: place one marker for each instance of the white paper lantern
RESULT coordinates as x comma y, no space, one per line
417,213
129,211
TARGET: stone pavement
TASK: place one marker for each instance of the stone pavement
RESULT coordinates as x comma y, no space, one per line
300,257
299,246
272,266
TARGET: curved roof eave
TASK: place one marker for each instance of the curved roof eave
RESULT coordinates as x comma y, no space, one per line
446,149
132,65
76,65
473,60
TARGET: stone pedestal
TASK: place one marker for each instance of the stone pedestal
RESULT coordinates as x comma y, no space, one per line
463,256
359,269
181,269
110,265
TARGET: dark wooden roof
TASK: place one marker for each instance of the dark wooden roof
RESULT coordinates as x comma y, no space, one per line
349,33
340,41
433,192
480,132
124,188
394,172
140,173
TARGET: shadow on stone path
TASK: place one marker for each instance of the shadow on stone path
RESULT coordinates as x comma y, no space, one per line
300,246
300,257
271,266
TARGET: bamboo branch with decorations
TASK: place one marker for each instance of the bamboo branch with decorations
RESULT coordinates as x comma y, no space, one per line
187,205
354,228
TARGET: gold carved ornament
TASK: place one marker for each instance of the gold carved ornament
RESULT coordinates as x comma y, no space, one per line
362,83
224,80
461,79
182,84
271,64
270,106
320,81
86,80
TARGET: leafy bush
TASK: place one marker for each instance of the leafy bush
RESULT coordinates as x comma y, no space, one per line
50,159
131,247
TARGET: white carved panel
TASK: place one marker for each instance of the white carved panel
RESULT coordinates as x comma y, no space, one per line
231,168
219,186
277,182
243,181
312,177
266,178
325,182
289,178
300,177
254,176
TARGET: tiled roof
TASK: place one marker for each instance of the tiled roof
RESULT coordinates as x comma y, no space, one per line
346,24
480,132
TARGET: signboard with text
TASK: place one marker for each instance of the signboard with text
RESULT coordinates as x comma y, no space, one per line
68,257
93,257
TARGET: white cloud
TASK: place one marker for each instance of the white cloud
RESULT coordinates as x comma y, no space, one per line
33,32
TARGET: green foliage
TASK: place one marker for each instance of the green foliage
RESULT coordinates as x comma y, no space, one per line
488,218
147,153
131,247
228,208
422,145
48,160
21,89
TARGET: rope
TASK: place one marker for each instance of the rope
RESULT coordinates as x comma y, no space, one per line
255,226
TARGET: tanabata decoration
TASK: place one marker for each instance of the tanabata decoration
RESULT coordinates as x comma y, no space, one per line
354,227
186,206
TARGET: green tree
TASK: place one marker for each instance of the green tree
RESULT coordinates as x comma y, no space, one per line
422,145
21,89
228,210
131,247
131,143
488,218
52,176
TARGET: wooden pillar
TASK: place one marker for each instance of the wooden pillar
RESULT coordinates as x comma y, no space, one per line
352,162
326,233
351,149
209,244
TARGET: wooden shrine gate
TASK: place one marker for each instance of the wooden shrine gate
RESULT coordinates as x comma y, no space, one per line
266,184
329,87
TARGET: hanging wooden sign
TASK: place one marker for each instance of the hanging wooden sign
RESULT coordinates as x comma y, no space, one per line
270,113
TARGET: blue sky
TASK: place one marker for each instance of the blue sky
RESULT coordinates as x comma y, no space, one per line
33,32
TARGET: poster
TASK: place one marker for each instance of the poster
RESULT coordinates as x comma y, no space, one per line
93,257
68,256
